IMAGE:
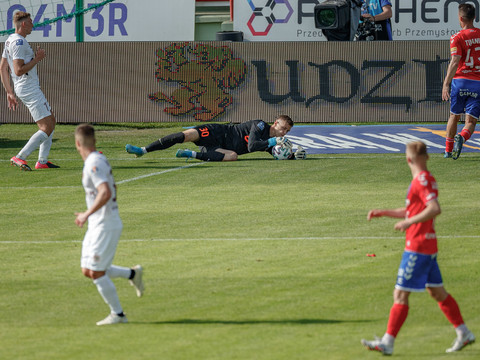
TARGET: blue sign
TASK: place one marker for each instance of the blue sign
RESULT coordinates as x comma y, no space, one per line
369,139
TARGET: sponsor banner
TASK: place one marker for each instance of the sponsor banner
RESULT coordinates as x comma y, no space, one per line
120,20
323,82
292,20
366,139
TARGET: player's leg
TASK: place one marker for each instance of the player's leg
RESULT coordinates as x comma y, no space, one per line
450,134
189,135
458,103
47,125
412,276
216,154
98,251
134,275
450,309
41,113
472,113
398,315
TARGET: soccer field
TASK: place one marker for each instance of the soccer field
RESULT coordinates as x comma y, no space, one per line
254,259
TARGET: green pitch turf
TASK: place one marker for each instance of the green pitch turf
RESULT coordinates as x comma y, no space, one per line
255,259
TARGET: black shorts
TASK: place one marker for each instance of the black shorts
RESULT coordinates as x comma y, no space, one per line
212,136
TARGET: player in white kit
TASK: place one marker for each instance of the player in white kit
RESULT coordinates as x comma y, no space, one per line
104,227
22,61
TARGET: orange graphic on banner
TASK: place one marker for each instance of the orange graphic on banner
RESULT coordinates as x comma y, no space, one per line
205,74
443,133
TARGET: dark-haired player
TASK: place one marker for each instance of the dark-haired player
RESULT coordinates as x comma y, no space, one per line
224,142
419,268
463,74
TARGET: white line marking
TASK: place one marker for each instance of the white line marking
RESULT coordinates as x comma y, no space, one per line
158,173
242,239
118,182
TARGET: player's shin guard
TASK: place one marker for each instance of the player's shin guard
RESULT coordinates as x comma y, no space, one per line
166,142
210,156
398,315
451,310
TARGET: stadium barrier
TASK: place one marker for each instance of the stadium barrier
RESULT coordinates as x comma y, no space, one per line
396,81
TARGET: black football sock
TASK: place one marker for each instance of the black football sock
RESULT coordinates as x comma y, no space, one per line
210,156
166,142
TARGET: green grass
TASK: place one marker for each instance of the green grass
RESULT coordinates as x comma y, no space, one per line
256,259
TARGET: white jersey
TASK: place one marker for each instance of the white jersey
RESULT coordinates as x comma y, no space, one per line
97,171
17,47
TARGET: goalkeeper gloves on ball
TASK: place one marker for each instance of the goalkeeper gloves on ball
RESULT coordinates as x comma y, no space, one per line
284,142
300,154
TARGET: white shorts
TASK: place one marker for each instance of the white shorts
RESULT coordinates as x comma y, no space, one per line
37,104
98,248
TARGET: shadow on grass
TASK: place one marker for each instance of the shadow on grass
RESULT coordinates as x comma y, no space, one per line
15,144
249,322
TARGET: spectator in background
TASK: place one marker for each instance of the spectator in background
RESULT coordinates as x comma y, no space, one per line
375,21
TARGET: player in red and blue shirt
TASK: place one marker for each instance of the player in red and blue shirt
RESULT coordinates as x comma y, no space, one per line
419,268
463,77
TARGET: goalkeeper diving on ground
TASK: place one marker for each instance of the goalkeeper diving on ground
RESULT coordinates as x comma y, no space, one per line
225,142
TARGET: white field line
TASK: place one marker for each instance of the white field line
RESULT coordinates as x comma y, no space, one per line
159,173
319,238
118,182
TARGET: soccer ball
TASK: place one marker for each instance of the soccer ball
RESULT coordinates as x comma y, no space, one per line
281,152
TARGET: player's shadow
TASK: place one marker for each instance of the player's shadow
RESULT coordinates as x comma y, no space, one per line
249,322
14,144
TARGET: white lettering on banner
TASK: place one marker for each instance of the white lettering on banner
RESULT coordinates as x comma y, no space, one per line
369,144
119,20
293,20
306,142
402,138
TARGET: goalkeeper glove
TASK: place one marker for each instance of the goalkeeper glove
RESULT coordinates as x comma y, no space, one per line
284,142
300,154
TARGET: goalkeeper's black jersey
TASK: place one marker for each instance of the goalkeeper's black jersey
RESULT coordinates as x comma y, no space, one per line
247,137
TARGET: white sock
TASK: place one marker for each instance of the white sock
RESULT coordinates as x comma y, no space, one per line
144,150
45,149
388,339
32,144
194,154
461,330
118,271
107,289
